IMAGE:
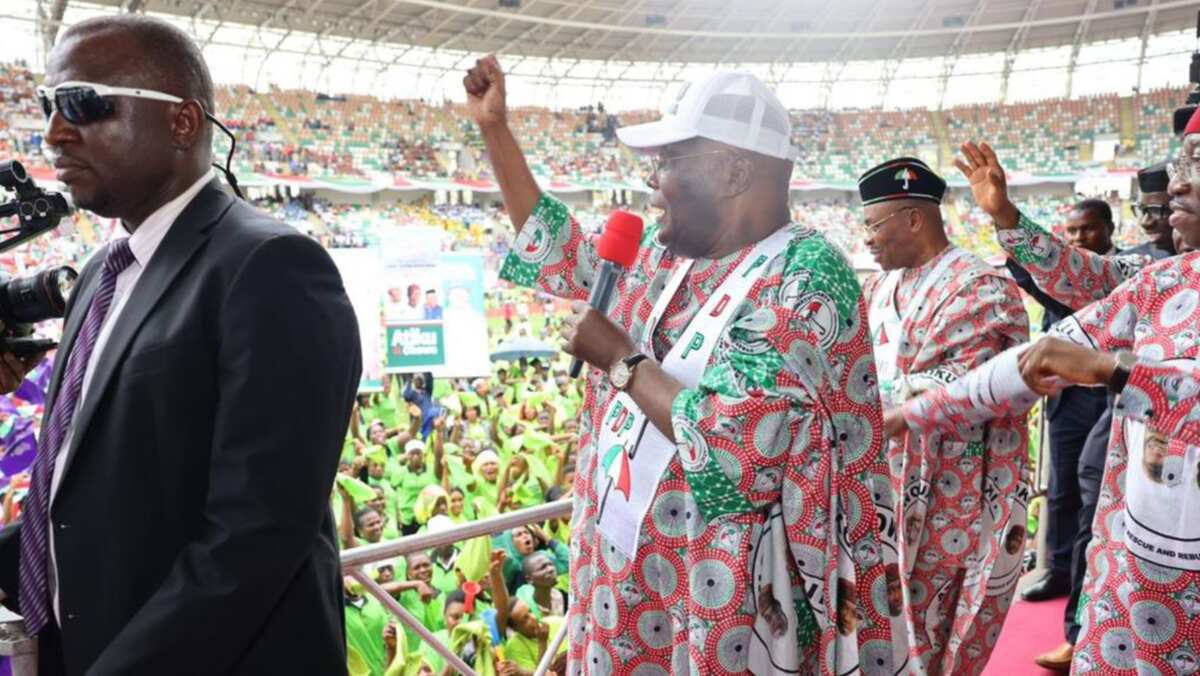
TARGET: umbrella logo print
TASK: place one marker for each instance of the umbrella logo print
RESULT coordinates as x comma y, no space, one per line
904,176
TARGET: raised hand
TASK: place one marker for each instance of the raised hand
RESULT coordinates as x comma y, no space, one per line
989,186
426,592
496,565
486,96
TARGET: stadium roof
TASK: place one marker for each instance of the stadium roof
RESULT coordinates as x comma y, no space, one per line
729,31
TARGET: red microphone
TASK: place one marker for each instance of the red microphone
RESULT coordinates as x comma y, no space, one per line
618,248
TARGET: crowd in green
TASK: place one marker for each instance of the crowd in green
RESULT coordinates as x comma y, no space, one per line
425,455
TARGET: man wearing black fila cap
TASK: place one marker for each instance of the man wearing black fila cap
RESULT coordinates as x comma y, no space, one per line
1153,209
937,311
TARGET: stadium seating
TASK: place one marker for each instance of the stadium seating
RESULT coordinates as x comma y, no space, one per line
301,133
1155,142
295,132
1047,137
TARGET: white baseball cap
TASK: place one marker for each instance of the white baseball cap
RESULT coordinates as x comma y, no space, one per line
736,109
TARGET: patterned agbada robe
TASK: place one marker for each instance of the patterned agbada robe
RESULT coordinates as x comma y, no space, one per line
1140,610
961,493
789,409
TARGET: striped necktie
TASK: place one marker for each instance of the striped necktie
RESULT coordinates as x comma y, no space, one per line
35,523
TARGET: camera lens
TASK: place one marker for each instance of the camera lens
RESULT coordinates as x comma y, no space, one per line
12,173
38,297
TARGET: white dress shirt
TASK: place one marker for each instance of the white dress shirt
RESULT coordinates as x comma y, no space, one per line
142,243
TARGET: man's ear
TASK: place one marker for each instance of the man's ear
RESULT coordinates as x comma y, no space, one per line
916,220
189,125
741,173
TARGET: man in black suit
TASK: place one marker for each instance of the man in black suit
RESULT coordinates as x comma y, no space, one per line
178,518
1070,415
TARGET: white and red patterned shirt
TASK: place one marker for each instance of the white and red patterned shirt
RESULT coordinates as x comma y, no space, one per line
1140,610
962,493
789,411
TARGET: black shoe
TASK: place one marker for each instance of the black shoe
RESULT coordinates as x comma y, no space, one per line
1051,586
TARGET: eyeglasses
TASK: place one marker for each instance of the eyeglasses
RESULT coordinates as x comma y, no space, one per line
86,102
1152,210
659,165
1183,169
871,228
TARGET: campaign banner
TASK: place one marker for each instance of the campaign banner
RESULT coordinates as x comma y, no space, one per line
362,278
433,306
415,346
464,318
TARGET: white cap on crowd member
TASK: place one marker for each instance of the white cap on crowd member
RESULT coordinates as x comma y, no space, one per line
440,523
736,109
414,445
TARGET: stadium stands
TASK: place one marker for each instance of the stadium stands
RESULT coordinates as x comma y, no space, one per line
302,133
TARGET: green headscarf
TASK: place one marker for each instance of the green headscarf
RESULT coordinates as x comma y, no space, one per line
427,501
486,494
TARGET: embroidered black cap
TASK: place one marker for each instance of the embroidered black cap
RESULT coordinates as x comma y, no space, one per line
1154,178
901,179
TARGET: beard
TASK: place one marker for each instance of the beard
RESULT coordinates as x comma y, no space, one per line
693,220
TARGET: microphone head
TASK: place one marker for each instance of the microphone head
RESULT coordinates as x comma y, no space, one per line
621,239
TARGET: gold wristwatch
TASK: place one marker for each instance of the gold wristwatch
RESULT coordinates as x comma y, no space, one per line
621,373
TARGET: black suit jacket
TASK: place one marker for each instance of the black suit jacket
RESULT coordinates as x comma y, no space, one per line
192,526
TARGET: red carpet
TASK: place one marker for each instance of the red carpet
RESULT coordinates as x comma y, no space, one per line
1029,630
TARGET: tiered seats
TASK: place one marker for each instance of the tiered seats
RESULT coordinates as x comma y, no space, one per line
1047,137
301,132
840,146
1155,140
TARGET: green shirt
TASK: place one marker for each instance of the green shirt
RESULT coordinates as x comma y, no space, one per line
431,656
349,449
444,579
386,409
409,486
428,613
558,601
366,619
523,651
389,495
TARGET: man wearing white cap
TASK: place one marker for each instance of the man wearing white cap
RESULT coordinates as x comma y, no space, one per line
731,481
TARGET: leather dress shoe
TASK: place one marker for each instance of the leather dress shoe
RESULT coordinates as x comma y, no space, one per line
1058,660
1051,586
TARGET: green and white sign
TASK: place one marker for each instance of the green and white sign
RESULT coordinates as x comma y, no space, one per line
415,345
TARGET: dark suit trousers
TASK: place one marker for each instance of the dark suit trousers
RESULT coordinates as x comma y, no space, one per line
1090,472
50,655
1072,416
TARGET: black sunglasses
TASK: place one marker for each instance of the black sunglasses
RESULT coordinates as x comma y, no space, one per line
82,103
86,102
1152,210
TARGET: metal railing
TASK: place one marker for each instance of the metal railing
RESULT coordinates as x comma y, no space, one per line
18,647
353,559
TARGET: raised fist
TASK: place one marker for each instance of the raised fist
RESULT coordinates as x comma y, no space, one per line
485,93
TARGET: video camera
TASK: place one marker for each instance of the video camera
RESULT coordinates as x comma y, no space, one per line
24,301
1182,115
